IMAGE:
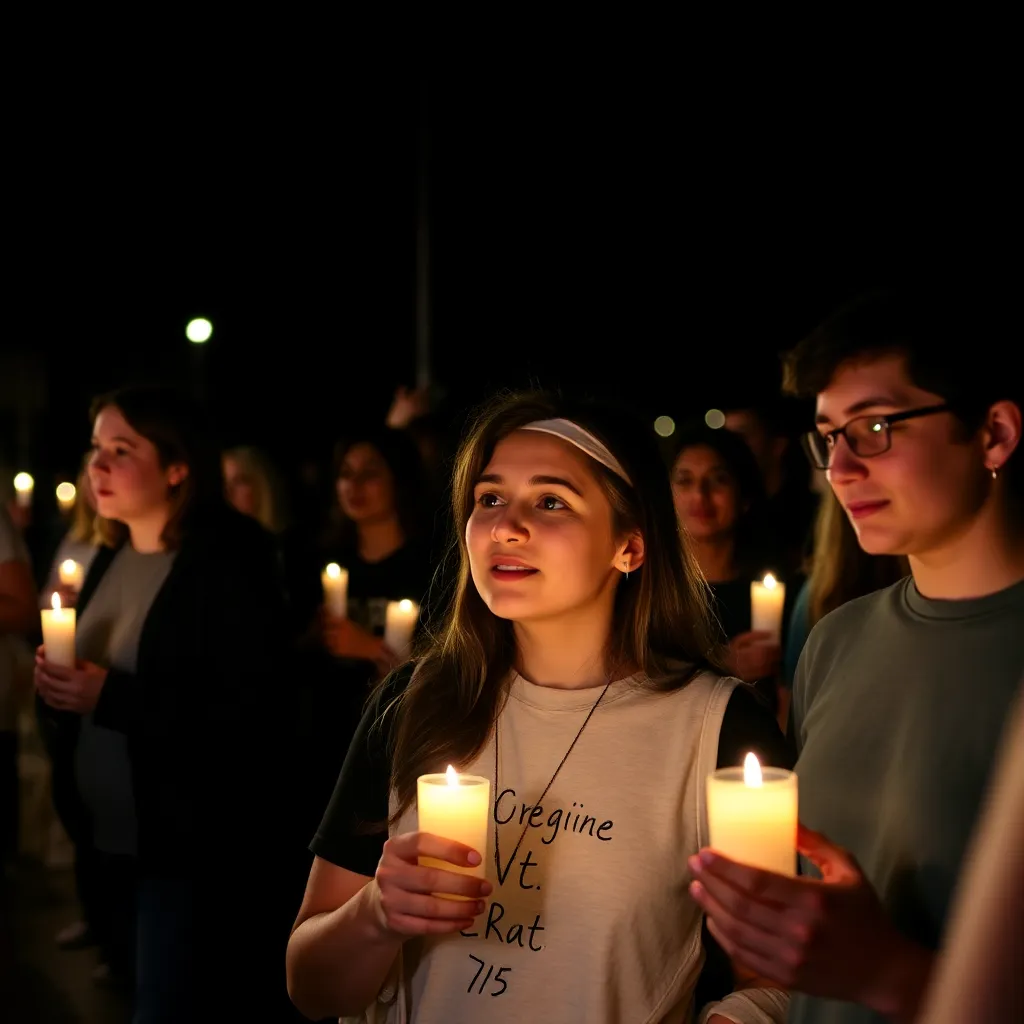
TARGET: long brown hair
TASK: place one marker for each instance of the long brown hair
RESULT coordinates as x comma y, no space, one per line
840,568
661,624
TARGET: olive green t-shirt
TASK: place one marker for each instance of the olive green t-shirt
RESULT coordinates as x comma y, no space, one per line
898,706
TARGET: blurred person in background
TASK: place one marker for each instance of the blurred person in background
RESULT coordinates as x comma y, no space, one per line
18,617
79,544
254,486
719,503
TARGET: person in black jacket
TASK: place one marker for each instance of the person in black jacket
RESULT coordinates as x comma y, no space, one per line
179,712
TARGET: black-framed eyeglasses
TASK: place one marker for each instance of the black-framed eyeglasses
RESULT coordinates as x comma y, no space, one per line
866,435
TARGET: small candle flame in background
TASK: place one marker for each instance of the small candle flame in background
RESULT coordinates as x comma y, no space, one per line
452,775
405,604
770,581
69,567
334,571
752,771
55,601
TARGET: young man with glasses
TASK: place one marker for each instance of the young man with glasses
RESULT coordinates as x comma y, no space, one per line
900,697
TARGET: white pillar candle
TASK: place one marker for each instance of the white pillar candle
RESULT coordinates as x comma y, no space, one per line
752,815
59,634
766,601
456,807
71,574
24,485
66,496
399,625
335,583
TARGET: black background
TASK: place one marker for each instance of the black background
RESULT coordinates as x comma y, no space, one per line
646,240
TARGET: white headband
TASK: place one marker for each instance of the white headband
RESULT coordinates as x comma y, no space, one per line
582,439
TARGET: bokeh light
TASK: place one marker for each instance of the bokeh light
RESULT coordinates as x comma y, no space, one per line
199,330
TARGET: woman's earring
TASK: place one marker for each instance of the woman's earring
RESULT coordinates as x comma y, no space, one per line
625,565
995,472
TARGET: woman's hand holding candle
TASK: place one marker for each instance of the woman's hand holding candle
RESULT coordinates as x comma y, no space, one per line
345,639
68,689
408,906
829,938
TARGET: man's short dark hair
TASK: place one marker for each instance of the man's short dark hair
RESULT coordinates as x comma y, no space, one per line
951,347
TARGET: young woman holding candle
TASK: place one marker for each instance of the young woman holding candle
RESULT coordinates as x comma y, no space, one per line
576,671
175,718
377,541
377,536
719,499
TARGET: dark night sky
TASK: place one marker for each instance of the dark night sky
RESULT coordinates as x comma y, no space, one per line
624,242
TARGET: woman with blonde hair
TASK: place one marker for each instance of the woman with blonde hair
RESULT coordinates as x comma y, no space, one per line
577,670
254,487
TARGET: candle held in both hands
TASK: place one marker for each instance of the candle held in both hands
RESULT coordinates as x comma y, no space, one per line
767,599
59,634
752,815
399,626
335,584
456,807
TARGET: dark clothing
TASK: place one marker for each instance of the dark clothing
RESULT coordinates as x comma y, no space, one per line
341,686
9,801
209,719
111,891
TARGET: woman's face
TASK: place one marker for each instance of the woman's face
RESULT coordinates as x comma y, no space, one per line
127,480
540,537
239,487
366,485
706,494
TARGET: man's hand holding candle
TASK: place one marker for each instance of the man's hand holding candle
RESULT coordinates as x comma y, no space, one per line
406,889
829,938
69,689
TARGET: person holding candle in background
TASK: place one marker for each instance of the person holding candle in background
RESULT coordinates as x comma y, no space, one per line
377,540
78,545
176,715
375,555
900,696
254,486
17,618
576,671
719,499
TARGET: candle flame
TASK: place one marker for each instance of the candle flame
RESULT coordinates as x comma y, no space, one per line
24,482
405,604
55,601
770,581
452,775
69,567
752,771
334,571
66,492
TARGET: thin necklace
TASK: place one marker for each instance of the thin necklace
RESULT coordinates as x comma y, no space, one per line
540,799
